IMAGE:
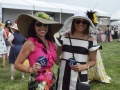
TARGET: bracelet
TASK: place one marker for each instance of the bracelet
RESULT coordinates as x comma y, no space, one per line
27,71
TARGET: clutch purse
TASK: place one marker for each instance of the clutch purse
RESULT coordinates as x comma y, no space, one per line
82,86
31,85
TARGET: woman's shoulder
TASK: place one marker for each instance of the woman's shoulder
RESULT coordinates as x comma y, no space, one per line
90,38
29,45
32,39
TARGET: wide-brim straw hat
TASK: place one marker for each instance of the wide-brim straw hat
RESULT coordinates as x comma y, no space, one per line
2,25
79,14
14,27
25,20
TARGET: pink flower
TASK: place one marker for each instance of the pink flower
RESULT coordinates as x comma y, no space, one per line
40,77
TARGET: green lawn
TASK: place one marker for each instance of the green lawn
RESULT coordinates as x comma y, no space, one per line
111,58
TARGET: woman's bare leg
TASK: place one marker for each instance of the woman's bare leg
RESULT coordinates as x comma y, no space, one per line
12,72
22,75
3,58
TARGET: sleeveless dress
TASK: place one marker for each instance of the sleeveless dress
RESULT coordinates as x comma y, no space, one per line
67,78
18,41
3,48
45,73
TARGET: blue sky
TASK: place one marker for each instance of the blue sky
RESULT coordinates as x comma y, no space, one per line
109,6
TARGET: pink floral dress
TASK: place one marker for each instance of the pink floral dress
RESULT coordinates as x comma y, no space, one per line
45,74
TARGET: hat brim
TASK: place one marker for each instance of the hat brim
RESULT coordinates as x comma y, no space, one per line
14,28
68,22
24,22
2,25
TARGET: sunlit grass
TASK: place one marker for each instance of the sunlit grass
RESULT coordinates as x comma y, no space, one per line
111,59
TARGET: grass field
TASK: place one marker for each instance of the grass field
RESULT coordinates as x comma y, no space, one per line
111,59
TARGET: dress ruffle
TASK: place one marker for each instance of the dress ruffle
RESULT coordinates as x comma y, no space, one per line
51,56
45,74
35,41
95,47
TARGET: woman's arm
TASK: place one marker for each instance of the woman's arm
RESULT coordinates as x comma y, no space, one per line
10,39
92,58
90,63
92,55
5,35
27,48
58,51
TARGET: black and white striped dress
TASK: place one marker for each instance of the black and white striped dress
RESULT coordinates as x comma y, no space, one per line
67,78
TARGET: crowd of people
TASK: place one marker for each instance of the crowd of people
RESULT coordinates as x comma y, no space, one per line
108,34
75,51
11,43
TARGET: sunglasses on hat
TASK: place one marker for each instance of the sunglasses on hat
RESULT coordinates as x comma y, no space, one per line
84,22
41,24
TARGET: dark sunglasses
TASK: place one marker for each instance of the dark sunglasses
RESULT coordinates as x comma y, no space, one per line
84,22
40,24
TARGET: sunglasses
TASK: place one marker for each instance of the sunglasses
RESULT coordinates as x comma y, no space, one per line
40,24
84,22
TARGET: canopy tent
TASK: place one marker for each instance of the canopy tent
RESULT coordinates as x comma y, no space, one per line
115,16
102,14
59,11
115,23
43,6
99,12
65,8
16,4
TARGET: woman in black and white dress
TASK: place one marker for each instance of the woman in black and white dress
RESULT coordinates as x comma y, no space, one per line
84,48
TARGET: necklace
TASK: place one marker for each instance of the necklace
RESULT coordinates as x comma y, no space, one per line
46,44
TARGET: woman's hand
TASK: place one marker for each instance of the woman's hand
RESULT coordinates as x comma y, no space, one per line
36,67
79,67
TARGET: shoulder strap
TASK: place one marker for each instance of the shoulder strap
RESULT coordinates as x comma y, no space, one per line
71,45
88,37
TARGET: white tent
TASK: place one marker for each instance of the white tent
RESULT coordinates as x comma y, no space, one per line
115,16
39,5
99,12
43,6
16,4
102,14
65,8
115,23
60,11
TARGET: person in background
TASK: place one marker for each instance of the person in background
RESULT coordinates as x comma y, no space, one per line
116,31
108,33
112,33
84,48
9,32
3,49
39,48
15,41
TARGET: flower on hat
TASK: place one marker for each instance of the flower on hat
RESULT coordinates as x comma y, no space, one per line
93,16
45,16
1,25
